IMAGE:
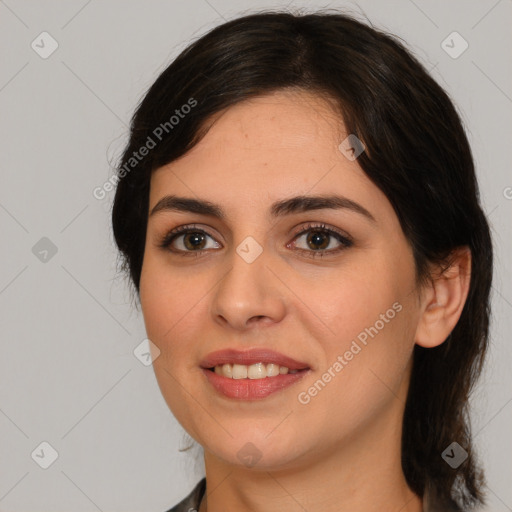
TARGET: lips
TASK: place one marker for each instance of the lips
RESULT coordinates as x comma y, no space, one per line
248,357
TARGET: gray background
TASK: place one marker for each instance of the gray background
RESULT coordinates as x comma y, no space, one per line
68,328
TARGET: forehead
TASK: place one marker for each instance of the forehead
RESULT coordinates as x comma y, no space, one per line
265,149
294,131
281,121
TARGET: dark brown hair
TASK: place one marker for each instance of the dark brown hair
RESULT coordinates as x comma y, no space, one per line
417,153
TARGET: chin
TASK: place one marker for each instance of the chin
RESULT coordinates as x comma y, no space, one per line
258,452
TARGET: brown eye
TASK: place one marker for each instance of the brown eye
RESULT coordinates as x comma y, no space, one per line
187,239
320,241
317,240
193,240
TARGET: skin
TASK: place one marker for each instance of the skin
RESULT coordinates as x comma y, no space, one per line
340,451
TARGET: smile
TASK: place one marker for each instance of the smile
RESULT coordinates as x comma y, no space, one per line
253,371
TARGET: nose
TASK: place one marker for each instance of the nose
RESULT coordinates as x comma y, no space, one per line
249,294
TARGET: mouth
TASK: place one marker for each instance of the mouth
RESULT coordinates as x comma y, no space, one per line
251,389
255,363
251,374
255,371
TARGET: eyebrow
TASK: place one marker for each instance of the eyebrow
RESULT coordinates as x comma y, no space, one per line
297,204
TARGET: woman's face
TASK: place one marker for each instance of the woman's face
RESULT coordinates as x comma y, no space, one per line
346,306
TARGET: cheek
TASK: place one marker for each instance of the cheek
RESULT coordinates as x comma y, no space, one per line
349,301
172,307
158,295
363,367
173,304
368,321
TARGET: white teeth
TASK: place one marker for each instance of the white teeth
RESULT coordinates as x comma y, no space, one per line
272,370
257,371
227,370
253,371
239,371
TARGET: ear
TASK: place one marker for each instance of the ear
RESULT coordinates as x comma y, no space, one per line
443,299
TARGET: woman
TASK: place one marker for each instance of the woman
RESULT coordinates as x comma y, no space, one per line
298,212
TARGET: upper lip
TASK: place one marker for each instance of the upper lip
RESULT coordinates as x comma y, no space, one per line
252,356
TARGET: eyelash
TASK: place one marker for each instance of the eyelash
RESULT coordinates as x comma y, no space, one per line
342,238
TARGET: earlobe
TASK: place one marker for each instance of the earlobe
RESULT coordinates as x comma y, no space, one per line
443,300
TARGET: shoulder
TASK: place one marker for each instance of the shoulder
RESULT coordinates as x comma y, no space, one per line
191,502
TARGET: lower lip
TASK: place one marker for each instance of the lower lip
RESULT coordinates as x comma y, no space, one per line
252,389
